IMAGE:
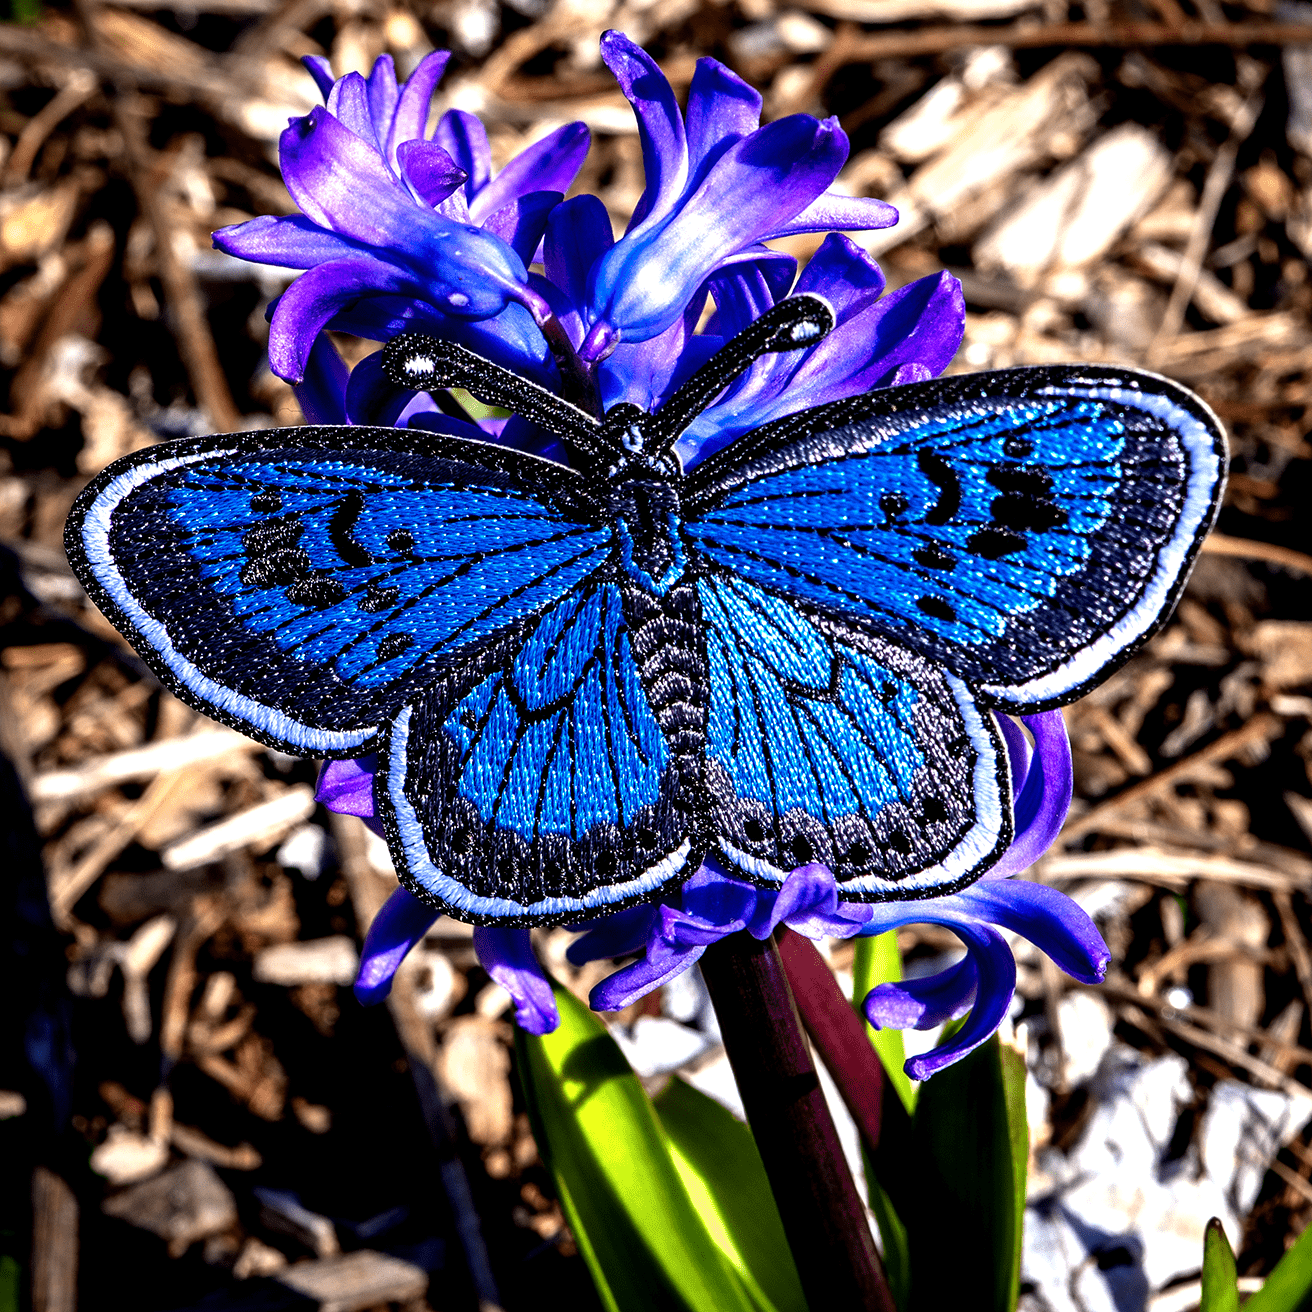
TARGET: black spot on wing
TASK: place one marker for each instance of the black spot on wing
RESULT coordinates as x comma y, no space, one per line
317,590
1026,501
393,645
939,472
378,599
273,558
936,607
268,502
340,526
933,556
892,504
994,543
401,540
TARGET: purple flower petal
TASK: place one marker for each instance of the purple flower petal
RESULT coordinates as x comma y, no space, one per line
521,223
642,284
660,126
290,241
371,397
313,299
429,170
410,121
617,991
322,73
464,138
547,165
612,936
995,970
721,109
507,956
834,213
915,372
401,923
321,393
578,234
920,1004
1018,751
347,787
1053,922
349,105
382,97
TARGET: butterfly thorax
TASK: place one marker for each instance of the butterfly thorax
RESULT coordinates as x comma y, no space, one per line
641,499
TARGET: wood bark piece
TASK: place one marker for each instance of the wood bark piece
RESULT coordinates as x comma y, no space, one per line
1004,138
1170,869
257,825
139,763
187,1203
316,961
1075,216
54,1243
356,1281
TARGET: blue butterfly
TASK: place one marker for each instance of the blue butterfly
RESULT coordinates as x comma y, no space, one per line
581,681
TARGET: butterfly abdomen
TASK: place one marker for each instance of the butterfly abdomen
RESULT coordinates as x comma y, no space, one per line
669,649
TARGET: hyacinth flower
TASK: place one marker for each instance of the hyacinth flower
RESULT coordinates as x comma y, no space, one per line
398,230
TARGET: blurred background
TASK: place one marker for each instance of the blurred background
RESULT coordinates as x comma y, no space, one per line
194,1111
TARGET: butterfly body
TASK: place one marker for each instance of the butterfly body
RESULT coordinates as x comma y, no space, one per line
581,681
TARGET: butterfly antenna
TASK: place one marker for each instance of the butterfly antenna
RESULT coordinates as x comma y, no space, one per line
427,364
792,325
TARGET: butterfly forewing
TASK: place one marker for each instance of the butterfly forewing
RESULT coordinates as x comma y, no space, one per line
1027,529
305,584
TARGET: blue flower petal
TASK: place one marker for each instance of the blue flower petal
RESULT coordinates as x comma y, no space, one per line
507,956
398,926
995,971
920,1004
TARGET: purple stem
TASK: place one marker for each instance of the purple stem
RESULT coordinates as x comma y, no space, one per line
813,1189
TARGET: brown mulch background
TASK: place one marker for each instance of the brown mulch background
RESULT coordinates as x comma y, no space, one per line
185,989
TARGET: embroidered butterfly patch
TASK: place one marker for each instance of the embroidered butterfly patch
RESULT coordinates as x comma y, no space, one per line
580,681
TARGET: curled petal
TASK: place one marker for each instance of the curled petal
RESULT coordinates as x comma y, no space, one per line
464,138
398,926
1050,920
371,398
429,170
807,902
314,298
1018,751
995,972
507,956
835,213
347,787
321,71
663,963
920,1004
1044,797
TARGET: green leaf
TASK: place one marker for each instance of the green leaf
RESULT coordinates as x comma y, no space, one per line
722,1170
624,1199
11,1280
897,1250
1289,1287
966,1199
1018,1132
878,961
1220,1281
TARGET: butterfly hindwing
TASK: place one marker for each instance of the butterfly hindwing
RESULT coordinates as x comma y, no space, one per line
304,584
539,781
1028,529
863,757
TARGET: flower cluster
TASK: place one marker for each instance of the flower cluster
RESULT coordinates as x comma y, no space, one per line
400,231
